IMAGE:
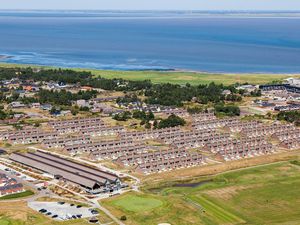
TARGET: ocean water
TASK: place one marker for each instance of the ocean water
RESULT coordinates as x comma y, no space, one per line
144,41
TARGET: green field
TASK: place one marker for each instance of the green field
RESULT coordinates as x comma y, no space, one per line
190,77
193,78
263,195
17,195
137,203
159,209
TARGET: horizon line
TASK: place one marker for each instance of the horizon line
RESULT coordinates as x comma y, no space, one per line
156,10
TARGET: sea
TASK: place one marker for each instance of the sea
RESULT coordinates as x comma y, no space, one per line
117,40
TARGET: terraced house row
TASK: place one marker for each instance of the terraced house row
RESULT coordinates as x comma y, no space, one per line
162,160
266,129
163,165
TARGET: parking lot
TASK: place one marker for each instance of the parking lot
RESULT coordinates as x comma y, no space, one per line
62,211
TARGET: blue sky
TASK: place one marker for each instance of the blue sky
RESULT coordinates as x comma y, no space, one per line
153,4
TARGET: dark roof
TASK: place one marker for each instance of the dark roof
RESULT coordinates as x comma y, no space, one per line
74,172
286,87
2,152
9,187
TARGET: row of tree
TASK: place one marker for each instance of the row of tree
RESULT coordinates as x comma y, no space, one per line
291,116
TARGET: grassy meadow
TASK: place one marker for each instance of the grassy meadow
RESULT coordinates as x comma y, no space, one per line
17,195
193,78
262,195
178,77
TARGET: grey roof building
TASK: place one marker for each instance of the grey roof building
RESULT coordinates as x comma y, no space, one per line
92,179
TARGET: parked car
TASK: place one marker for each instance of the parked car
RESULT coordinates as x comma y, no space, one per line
42,210
94,212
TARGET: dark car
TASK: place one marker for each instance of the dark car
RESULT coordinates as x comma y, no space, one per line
79,206
94,212
54,216
48,213
61,203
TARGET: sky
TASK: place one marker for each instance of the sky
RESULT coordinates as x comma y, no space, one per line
152,4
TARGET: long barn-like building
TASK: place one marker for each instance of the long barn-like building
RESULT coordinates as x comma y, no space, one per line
92,179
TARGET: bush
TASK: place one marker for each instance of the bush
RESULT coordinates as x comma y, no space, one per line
123,218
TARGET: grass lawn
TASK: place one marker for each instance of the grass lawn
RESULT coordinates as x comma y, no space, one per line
137,203
17,195
262,195
151,210
220,214
178,77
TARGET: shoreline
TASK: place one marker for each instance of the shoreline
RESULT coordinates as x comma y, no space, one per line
162,71
5,57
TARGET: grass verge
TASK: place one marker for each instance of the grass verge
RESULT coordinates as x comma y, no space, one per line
17,195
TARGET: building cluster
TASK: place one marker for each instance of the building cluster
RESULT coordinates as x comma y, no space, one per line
281,97
290,107
59,133
27,136
9,185
283,87
155,108
176,147
289,139
161,160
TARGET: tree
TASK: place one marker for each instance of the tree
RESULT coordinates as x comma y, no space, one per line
124,116
291,116
148,125
171,121
150,116
228,110
137,114
53,110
